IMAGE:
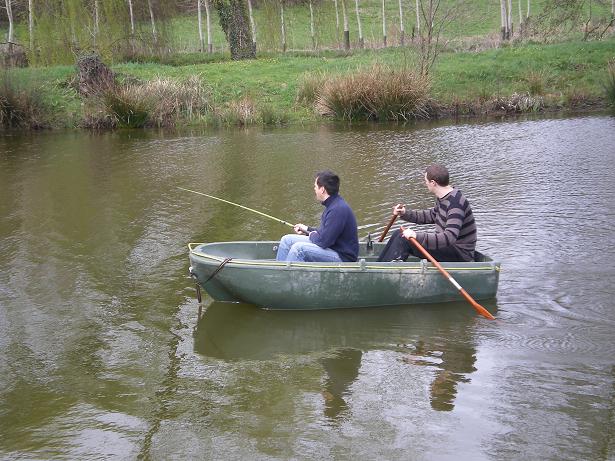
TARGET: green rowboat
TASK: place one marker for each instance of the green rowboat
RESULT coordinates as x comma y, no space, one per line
248,272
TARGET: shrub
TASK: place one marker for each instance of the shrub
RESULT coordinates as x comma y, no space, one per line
377,93
609,84
242,112
536,82
21,107
308,87
159,102
270,116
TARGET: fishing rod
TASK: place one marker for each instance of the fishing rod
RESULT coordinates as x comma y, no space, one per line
240,206
252,210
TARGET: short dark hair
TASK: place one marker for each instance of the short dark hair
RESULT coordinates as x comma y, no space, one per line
437,173
329,180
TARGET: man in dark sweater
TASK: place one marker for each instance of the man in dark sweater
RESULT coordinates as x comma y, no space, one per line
455,235
336,239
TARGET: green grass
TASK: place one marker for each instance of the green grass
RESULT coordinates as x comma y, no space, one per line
504,71
572,70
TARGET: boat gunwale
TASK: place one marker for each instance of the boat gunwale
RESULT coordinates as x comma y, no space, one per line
360,265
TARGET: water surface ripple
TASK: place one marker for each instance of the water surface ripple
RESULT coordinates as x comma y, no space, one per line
102,355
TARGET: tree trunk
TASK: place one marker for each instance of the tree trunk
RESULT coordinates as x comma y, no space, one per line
401,25
235,23
361,41
31,24
199,16
337,24
252,23
312,26
418,18
520,17
527,16
509,19
132,19
210,43
9,13
153,21
96,21
346,27
283,26
384,25
504,27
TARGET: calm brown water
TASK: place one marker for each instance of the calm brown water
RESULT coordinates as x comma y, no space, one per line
102,355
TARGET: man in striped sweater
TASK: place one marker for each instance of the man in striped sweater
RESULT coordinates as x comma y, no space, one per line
455,235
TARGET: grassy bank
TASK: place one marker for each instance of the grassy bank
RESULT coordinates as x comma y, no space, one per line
559,76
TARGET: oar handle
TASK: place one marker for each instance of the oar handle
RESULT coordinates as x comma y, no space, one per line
386,229
480,309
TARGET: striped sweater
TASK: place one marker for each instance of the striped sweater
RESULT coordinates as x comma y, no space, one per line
454,222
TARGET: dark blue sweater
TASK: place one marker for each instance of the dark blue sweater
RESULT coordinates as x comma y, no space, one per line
338,229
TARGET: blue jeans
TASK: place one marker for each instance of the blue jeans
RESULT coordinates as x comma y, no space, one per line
294,247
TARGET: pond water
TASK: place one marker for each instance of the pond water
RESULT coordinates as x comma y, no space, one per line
102,354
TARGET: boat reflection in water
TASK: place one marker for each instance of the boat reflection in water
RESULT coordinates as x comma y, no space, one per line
438,336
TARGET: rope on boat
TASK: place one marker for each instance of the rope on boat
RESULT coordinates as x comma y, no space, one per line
218,269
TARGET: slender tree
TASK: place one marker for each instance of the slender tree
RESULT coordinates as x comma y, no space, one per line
356,7
436,15
312,33
132,19
346,27
200,24
527,16
401,25
152,19
509,19
210,47
9,13
384,25
31,24
418,18
520,17
252,23
505,31
337,24
283,24
96,22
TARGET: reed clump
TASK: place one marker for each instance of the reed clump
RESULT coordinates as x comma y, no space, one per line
375,93
21,107
536,82
241,112
309,86
609,84
158,102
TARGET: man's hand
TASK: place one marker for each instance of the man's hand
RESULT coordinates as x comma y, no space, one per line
399,209
301,229
408,234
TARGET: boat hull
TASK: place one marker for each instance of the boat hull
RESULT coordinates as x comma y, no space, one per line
253,276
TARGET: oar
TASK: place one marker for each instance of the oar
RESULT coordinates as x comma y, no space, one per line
480,309
240,206
386,229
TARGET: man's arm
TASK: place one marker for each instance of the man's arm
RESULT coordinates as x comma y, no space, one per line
446,237
332,226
